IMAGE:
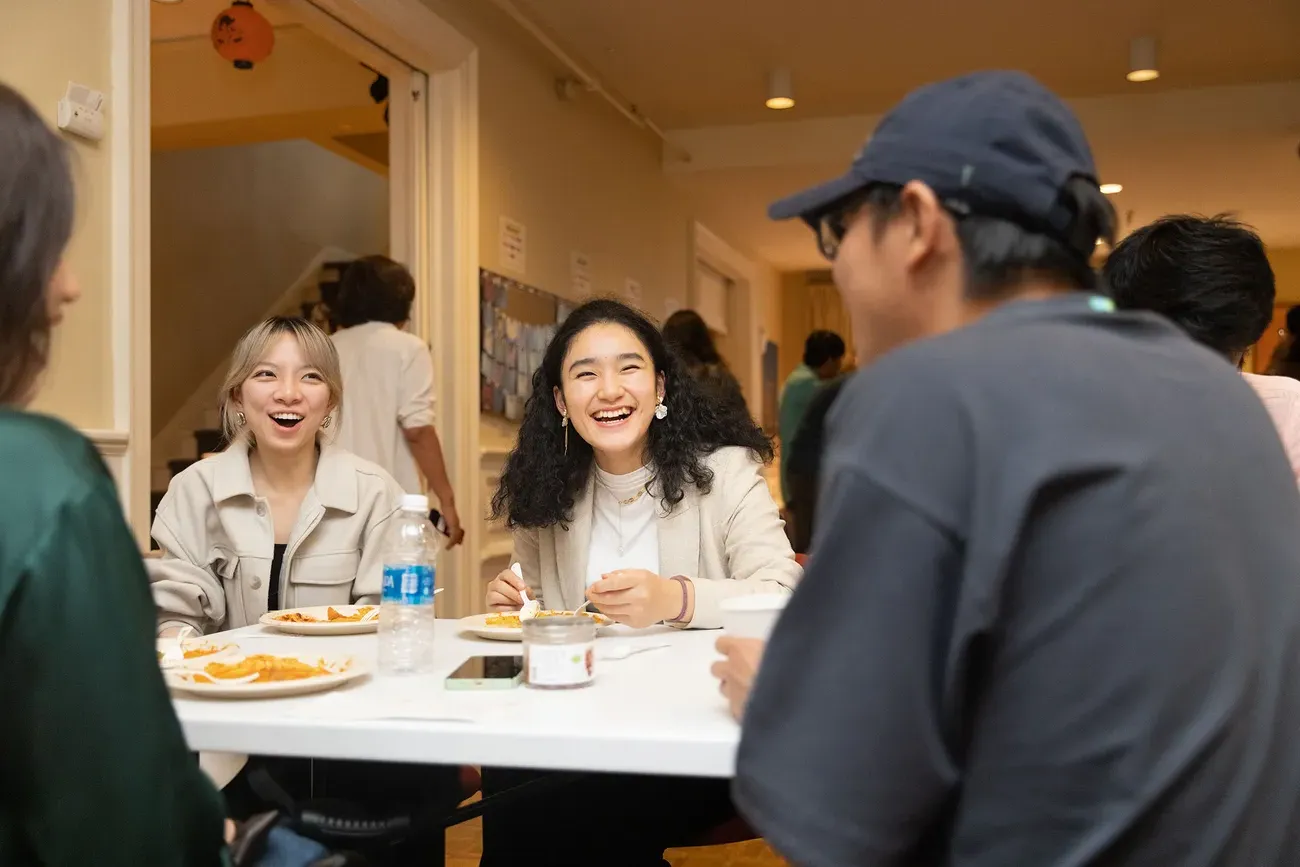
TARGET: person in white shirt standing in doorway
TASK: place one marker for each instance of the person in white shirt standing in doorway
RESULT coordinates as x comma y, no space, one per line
388,374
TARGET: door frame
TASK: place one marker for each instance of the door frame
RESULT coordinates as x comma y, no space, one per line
441,246
744,303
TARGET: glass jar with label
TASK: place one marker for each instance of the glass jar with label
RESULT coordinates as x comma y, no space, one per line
559,652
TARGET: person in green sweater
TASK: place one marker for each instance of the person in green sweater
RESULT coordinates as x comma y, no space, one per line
93,767
823,357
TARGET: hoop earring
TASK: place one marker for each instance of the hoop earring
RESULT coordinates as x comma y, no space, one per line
326,422
564,423
240,419
661,411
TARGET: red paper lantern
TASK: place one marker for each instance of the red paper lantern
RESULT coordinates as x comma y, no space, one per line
242,36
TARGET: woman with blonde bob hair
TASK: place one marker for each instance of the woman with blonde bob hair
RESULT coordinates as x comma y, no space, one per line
281,518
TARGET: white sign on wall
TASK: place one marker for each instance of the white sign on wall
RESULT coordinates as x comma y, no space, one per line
514,245
632,289
580,274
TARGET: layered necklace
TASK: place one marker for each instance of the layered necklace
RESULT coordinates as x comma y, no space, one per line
616,485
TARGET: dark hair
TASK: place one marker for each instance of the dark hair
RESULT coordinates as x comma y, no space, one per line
688,333
822,346
375,289
37,206
1208,275
1293,320
540,483
1001,249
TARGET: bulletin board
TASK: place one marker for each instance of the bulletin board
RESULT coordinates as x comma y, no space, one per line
517,323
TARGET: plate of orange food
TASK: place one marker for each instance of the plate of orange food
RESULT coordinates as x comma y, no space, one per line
324,619
184,651
506,626
264,675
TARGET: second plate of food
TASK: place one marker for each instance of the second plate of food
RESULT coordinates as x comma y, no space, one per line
505,627
265,676
324,620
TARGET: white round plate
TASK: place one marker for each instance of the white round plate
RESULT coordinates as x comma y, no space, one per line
477,624
323,626
274,689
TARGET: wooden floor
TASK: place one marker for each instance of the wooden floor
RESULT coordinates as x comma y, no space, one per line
465,844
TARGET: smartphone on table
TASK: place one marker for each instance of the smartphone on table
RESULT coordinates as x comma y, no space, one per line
487,672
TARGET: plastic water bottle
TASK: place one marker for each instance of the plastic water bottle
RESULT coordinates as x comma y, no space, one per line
406,613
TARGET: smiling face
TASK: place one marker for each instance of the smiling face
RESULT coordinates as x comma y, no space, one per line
285,398
609,388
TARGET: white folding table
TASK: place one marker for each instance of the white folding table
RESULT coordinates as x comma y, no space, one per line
657,712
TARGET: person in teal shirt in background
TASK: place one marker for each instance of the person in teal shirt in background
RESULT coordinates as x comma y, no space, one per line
823,356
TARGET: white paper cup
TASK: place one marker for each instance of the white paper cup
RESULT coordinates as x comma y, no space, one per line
752,616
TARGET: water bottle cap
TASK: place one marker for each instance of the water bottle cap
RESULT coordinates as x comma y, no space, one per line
415,503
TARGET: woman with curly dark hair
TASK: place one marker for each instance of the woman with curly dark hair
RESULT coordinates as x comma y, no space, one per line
630,488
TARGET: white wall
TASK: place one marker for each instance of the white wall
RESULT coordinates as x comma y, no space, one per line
232,228
578,175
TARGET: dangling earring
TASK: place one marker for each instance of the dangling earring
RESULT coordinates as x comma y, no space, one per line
326,422
661,411
564,423
240,419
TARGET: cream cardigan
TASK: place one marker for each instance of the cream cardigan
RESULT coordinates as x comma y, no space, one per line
729,542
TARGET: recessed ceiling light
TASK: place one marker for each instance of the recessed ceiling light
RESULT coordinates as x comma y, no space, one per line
167,2
780,93
1142,60
1111,189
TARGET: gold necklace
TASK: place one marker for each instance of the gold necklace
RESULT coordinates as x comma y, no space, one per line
632,499
621,503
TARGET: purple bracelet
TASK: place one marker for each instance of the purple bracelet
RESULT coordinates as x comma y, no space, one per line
681,579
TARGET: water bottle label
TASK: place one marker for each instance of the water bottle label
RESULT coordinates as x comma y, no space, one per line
411,585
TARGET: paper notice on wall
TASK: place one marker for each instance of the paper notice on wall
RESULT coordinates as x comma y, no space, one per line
632,290
514,246
671,306
579,274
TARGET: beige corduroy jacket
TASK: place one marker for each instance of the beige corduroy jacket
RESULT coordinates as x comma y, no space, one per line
730,541
217,540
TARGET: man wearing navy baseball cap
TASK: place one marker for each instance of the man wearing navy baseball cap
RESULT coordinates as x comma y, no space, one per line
1052,615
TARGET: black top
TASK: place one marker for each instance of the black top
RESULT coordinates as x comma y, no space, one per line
273,591
718,384
93,767
1053,617
805,452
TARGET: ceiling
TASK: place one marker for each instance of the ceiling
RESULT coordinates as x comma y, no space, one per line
701,66
191,18
691,63
307,89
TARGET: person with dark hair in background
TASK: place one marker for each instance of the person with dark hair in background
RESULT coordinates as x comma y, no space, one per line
388,375
1052,613
94,766
803,462
630,488
1286,357
1211,277
688,333
823,358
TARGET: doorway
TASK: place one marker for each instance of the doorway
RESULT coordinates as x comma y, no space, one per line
427,214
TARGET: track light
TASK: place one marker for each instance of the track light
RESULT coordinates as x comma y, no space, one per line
780,93
1142,60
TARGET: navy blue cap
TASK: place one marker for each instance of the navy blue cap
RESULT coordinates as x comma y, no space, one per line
998,142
